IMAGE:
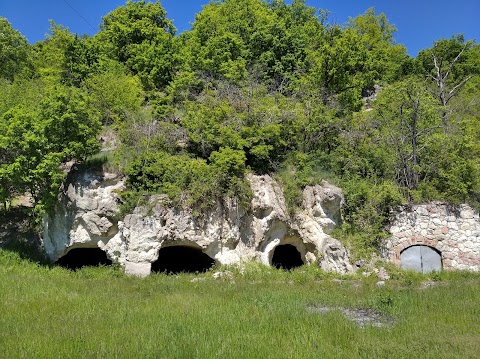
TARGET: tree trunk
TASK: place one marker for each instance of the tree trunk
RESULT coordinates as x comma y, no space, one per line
444,94
414,135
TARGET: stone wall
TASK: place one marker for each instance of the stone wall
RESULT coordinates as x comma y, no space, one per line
454,231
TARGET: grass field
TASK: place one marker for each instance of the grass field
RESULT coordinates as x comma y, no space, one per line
102,313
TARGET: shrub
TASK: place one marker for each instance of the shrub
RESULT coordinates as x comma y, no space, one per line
301,170
186,180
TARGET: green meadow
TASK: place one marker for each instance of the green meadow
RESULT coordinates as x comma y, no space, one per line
259,312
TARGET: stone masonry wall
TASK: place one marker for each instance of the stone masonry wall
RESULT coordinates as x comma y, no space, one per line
454,231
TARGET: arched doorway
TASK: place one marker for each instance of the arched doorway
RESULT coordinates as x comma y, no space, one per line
421,258
84,257
286,256
182,259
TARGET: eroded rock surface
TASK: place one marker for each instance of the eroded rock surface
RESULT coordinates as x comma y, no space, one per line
87,216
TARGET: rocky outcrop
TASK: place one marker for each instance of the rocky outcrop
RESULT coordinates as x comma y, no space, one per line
87,216
453,231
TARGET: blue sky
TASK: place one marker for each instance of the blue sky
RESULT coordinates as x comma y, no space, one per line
419,22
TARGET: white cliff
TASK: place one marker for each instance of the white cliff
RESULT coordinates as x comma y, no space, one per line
87,216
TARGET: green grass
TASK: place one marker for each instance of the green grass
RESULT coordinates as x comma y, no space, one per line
102,313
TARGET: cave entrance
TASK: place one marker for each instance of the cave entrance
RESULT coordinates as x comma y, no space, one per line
286,256
84,257
421,259
182,259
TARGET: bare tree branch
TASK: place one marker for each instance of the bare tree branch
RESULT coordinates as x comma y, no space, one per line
453,91
454,61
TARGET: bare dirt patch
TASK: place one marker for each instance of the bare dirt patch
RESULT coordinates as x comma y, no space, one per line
361,316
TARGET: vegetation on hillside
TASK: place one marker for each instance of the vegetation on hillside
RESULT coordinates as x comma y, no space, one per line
254,86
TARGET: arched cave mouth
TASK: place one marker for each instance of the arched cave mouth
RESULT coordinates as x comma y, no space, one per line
182,259
286,256
84,257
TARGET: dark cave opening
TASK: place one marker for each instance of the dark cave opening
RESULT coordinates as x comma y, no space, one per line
84,257
182,259
287,257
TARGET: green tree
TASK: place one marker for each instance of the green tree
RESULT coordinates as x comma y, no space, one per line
268,41
14,51
36,142
338,68
408,115
343,65
387,61
247,119
449,64
51,55
66,58
115,94
25,92
68,124
80,60
140,36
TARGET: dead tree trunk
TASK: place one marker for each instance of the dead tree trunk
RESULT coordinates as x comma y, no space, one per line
442,72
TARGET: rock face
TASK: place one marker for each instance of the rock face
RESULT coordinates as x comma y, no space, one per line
87,216
454,232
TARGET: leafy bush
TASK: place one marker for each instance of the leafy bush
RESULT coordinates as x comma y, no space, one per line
301,170
366,213
186,180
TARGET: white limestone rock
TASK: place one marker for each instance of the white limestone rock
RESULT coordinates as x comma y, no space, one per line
87,216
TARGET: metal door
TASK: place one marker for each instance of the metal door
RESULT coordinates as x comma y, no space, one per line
421,259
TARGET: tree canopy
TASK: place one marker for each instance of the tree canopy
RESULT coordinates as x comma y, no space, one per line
254,86
13,51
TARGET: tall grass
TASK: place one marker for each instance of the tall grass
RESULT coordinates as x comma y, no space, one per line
257,313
